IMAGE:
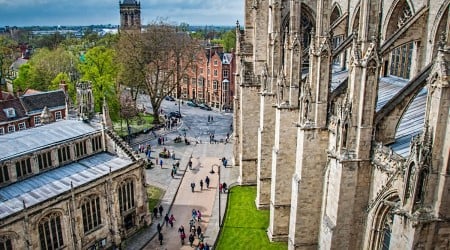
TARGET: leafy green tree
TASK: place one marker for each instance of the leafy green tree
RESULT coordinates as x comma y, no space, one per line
43,67
159,57
8,54
229,40
99,68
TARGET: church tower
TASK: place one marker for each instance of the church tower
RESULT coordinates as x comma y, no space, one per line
130,15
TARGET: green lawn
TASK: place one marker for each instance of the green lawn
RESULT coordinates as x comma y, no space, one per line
137,124
154,195
245,226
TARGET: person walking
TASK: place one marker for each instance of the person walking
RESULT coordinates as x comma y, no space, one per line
207,181
220,187
159,227
199,215
181,229
191,239
171,220
161,209
199,230
160,238
161,162
194,216
182,237
201,184
192,186
166,220
224,187
155,212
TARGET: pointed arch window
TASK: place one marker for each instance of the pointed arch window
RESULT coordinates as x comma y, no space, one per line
5,243
387,231
50,232
420,188
401,58
126,196
91,213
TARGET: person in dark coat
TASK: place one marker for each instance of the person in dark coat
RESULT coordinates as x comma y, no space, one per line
199,230
191,239
161,209
155,212
160,238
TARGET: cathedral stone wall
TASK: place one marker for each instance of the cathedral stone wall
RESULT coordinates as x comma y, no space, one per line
266,137
365,165
249,133
283,167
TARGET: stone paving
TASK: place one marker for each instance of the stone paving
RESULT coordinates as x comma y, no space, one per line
178,198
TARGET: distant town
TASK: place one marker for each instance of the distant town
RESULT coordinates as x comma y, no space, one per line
100,29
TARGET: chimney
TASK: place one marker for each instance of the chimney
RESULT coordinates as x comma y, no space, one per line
63,86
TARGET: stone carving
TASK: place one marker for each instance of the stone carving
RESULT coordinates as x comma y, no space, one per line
281,85
404,16
305,100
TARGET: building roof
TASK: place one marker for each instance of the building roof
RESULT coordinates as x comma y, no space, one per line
129,2
412,122
226,58
35,103
52,183
5,110
30,140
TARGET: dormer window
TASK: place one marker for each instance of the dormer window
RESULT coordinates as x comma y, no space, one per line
10,112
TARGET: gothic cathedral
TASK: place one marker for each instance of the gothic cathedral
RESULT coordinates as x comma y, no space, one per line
349,142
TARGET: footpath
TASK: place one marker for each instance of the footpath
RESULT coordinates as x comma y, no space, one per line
178,198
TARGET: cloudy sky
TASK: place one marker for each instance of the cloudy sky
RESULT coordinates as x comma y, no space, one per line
87,12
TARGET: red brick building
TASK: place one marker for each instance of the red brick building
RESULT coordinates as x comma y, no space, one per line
211,79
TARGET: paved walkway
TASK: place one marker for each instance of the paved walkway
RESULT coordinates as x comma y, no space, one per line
178,198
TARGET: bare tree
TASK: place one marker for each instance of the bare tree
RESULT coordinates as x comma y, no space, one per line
156,60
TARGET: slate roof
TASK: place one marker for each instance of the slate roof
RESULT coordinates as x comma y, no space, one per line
35,103
55,182
412,122
18,109
30,140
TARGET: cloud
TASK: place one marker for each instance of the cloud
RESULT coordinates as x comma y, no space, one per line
87,12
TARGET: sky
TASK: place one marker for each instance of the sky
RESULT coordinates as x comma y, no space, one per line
88,12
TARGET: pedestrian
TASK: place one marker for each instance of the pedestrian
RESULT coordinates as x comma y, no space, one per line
166,219
200,246
161,162
225,162
194,215
171,220
182,237
220,187
206,246
207,181
161,209
224,187
173,155
191,239
190,164
181,229
201,184
199,230
201,237
158,227
171,173
192,186
160,238
155,212
199,215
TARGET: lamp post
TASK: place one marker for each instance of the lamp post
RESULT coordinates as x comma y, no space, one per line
220,201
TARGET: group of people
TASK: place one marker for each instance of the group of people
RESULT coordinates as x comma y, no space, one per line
201,184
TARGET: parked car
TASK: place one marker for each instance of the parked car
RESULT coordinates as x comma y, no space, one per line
169,98
192,104
204,106
175,114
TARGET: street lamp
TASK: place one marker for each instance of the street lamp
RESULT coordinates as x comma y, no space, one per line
220,200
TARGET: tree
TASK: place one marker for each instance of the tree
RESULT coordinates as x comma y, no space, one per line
43,67
99,68
229,40
159,57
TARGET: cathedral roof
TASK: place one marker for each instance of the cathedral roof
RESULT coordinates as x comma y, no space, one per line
52,183
30,140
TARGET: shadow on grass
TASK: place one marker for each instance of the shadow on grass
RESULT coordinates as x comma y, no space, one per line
245,226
